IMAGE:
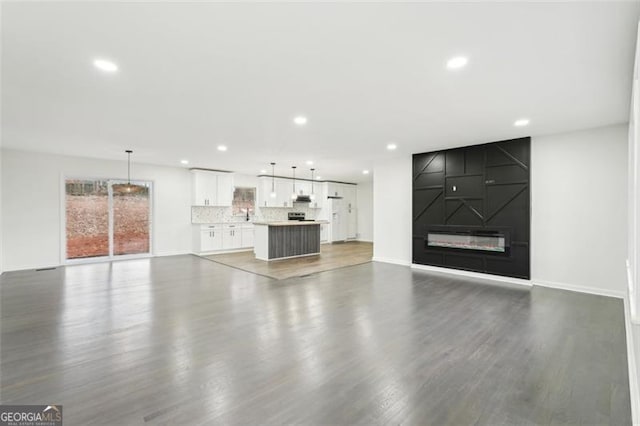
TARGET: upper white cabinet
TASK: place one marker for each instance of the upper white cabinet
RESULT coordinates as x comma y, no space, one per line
283,189
225,190
320,195
212,188
349,195
303,187
344,190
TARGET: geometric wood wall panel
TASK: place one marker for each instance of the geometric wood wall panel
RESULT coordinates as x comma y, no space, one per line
474,192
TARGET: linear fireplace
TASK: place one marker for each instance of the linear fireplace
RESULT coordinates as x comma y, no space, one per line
468,240
471,208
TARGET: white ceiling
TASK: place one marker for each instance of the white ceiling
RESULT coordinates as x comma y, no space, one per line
196,75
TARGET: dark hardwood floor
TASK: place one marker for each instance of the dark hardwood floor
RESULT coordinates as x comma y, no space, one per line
182,340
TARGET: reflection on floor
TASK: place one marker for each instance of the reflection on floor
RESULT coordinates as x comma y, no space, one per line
332,256
182,340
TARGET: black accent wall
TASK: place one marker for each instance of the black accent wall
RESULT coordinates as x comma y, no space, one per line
475,190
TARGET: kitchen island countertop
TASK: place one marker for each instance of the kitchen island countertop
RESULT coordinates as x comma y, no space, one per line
292,222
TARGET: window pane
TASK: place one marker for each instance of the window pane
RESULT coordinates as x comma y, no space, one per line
244,199
130,219
87,218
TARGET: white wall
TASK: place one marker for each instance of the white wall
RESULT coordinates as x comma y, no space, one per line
579,209
365,211
246,181
392,211
1,234
31,208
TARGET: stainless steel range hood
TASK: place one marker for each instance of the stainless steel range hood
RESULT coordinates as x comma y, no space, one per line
302,199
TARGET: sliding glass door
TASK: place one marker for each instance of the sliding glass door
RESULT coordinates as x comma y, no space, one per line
107,218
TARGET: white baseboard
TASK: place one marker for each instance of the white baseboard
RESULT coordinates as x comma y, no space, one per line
580,289
171,253
633,314
469,274
393,261
93,261
31,268
364,241
632,365
207,253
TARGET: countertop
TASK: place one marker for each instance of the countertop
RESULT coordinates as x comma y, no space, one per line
292,223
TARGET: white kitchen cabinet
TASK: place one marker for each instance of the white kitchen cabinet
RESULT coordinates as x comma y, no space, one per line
211,188
319,196
352,224
247,236
303,187
232,237
334,189
204,186
284,189
221,237
224,195
324,232
264,193
210,238
349,195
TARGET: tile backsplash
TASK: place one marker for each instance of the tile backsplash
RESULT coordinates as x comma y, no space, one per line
279,213
201,214
206,214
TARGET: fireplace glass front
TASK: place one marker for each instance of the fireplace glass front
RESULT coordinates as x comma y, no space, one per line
468,242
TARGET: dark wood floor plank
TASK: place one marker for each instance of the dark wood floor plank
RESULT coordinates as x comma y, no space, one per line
182,340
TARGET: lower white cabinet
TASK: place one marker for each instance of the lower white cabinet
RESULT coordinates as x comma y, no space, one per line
231,237
216,237
324,232
210,238
247,236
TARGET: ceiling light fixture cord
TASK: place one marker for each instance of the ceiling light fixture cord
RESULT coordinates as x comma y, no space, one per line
273,177
294,178
129,152
312,170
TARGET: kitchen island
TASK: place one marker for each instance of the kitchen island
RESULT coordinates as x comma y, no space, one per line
287,239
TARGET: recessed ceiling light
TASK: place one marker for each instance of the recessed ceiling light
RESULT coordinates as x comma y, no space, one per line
309,163
105,65
365,172
521,122
300,120
457,62
318,177
184,161
263,171
222,148
391,146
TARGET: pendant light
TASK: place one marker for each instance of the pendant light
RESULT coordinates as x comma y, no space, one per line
312,196
273,180
294,195
128,187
